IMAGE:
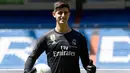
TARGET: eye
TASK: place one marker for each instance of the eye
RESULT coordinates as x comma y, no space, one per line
60,13
66,12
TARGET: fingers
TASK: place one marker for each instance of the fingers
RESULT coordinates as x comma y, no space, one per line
91,62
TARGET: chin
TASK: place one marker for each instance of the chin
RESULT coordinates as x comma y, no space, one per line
62,22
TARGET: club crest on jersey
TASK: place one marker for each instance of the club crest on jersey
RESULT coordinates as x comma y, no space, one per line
74,41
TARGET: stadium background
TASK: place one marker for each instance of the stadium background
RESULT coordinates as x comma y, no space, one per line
105,24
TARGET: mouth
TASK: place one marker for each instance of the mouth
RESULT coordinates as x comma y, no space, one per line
63,20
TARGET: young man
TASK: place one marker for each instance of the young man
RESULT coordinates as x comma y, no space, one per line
63,45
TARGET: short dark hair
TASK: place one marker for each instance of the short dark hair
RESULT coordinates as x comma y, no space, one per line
61,4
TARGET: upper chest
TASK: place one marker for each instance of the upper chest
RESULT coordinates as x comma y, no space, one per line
68,39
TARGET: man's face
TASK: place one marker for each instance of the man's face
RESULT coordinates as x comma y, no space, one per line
62,15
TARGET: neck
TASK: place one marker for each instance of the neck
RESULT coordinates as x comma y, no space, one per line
64,28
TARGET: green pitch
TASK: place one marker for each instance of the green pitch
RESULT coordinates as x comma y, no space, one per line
11,1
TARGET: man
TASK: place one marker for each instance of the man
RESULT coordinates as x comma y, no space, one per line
63,45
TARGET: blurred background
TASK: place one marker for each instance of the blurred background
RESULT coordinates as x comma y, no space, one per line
105,24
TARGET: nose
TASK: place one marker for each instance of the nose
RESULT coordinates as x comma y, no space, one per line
63,14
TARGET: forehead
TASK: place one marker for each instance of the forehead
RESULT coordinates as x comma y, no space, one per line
62,9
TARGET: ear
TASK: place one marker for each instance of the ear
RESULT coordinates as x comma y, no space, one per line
53,13
69,13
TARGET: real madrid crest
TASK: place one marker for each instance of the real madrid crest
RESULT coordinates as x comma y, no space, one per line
74,41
